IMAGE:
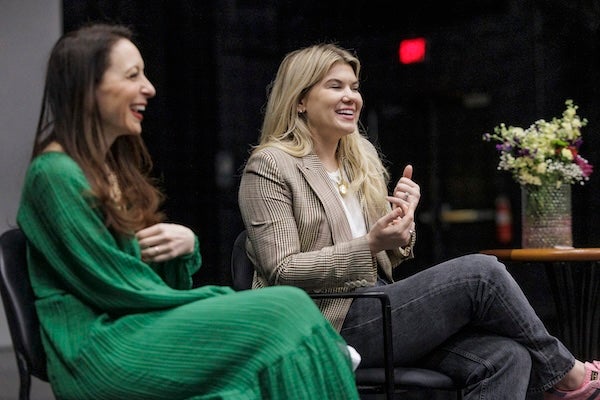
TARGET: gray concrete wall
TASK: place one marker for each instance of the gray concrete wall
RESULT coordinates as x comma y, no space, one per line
28,30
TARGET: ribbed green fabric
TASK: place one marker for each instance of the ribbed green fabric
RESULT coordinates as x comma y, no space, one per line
115,327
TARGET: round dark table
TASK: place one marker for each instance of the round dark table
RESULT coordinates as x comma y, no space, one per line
574,278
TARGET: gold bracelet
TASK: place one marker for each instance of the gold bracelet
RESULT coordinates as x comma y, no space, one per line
407,250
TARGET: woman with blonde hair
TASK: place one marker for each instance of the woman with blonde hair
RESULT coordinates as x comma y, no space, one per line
314,201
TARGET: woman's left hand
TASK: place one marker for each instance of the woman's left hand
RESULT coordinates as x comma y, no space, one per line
407,192
163,242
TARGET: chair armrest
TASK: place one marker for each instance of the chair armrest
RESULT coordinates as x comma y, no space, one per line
386,312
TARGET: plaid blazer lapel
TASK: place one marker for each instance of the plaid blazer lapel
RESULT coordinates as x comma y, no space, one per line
316,176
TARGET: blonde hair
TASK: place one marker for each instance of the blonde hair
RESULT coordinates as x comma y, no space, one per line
283,127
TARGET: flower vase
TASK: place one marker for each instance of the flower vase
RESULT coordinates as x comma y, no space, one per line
546,216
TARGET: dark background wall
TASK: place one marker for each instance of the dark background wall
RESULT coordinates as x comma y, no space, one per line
488,62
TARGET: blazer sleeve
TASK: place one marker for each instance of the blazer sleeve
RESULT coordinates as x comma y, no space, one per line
289,234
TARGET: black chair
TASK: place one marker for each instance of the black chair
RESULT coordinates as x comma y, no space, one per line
388,379
18,300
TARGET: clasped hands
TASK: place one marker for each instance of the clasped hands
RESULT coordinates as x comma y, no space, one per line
395,229
163,242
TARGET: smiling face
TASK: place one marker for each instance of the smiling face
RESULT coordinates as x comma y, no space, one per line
123,92
332,106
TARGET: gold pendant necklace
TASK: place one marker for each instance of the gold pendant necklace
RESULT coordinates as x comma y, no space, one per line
342,185
342,188
114,190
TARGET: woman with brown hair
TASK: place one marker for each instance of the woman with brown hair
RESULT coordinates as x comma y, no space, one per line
119,317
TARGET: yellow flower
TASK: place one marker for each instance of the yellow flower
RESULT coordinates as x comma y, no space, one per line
566,153
541,168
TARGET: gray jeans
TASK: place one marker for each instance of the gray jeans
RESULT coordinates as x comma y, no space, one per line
468,318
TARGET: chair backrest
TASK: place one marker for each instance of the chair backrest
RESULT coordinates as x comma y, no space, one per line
242,269
18,300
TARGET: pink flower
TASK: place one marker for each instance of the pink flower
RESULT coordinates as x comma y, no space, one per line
586,168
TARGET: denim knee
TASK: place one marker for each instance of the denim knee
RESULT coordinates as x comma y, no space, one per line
483,265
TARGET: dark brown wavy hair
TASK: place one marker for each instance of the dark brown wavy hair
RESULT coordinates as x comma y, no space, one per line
70,116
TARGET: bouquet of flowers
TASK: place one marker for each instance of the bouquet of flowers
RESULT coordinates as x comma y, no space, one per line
544,153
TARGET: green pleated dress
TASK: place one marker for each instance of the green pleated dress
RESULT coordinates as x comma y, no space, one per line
115,327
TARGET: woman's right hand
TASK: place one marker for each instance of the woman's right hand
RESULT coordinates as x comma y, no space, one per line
163,242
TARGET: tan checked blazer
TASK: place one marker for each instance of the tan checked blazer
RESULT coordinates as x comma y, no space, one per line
298,233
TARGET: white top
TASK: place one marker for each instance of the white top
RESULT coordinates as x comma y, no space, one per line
352,207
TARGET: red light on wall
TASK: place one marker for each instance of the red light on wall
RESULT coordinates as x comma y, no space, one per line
412,51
